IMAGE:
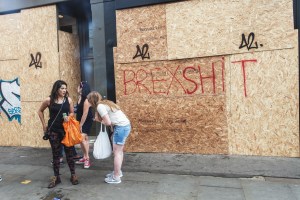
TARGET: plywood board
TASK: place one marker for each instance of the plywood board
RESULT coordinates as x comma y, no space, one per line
10,132
39,35
201,28
32,130
177,125
263,103
10,36
9,69
141,34
69,62
174,106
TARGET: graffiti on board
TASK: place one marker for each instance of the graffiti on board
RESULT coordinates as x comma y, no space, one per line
36,61
181,80
142,52
10,103
250,42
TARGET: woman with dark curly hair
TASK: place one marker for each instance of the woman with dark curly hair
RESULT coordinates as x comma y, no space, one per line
60,109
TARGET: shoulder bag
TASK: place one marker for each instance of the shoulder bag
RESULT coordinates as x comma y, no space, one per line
102,146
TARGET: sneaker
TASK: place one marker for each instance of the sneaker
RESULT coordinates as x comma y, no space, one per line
112,180
112,173
87,164
80,161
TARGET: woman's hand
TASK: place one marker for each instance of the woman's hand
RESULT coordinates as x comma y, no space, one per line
66,118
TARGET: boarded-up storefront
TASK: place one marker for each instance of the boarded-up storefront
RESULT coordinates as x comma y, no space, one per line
195,76
210,77
33,55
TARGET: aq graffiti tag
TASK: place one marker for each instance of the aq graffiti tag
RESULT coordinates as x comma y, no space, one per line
36,61
143,53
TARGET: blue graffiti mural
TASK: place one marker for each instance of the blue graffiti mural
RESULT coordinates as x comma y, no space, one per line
10,102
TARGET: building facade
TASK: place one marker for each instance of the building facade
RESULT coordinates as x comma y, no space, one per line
193,76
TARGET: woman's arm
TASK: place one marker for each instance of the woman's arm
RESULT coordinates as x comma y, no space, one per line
44,105
97,117
86,106
71,112
106,120
101,110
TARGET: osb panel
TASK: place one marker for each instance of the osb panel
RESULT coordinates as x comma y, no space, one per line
69,61
201,28
179,125
32,130
263,103
10,34
39,34
10,132
9,69
182,102
142,29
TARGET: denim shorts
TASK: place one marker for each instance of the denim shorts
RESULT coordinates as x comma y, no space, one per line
120,134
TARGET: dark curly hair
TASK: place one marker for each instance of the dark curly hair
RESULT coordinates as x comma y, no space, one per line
54,91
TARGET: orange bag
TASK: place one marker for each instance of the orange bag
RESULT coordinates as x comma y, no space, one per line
73,135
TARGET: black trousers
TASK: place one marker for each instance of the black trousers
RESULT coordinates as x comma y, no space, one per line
55,142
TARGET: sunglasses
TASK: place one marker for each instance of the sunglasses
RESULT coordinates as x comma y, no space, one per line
81,83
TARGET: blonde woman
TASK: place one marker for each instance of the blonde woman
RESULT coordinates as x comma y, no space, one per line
110,114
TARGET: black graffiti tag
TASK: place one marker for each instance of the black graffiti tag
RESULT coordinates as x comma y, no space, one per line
36,61
249,42
143,53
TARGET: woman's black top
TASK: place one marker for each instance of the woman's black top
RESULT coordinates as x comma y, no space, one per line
89,119
57,126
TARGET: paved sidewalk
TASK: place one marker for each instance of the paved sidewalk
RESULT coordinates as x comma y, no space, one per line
25,173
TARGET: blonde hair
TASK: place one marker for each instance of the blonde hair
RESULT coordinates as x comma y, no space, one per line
95,99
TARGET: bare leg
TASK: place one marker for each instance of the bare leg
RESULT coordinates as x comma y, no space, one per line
118,159
85,146
82,148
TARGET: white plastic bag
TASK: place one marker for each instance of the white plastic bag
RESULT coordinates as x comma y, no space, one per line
102,146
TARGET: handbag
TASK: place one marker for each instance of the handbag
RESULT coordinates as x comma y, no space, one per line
47,132
102,146
73,135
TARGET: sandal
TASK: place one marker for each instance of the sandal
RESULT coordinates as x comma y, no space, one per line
54,180
74,179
